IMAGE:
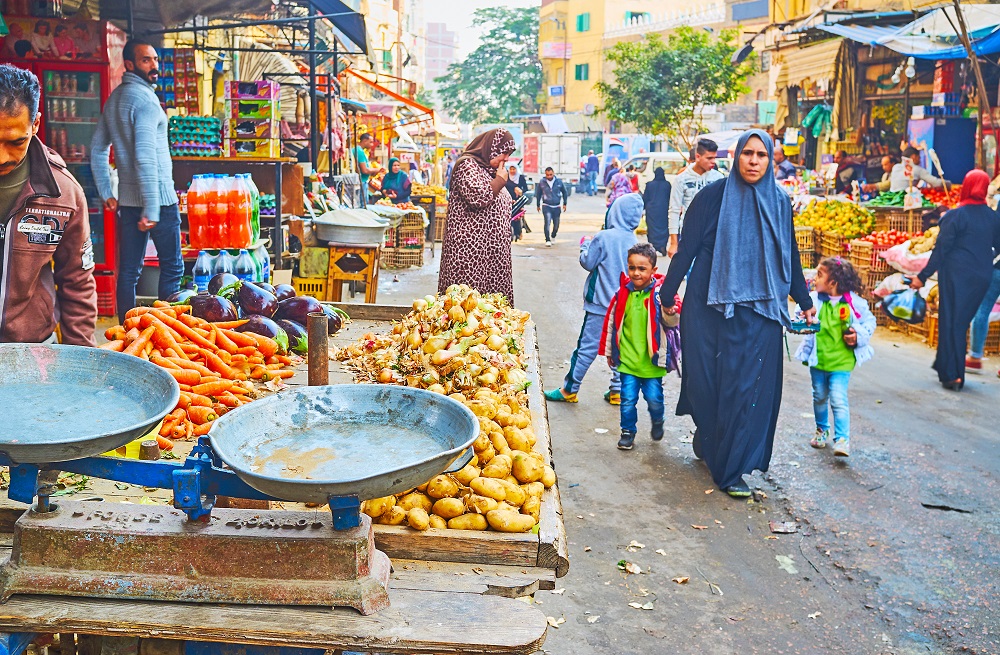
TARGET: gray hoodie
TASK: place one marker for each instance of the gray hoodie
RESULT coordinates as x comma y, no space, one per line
606,255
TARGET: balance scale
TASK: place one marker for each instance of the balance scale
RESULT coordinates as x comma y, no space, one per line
61,406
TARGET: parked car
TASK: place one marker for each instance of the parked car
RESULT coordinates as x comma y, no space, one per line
672,164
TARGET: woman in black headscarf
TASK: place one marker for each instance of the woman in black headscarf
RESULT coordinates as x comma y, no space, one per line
739,234
656,198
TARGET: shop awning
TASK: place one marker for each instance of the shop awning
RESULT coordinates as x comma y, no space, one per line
803,67
353,105
412,104
869,35
934,37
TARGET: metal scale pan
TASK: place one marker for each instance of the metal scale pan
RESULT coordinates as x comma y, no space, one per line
369,441
60,403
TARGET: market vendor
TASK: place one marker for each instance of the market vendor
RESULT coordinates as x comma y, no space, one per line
783,169
396,184
46,256
902,179
883,185
366,142
848,170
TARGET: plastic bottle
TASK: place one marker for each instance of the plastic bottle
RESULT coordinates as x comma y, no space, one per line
245,269
254,208
238,200
202,271
262,259
219,211
224,263
197,209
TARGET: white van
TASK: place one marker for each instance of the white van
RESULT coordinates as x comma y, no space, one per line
672,164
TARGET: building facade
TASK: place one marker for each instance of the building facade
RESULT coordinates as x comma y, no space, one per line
441,51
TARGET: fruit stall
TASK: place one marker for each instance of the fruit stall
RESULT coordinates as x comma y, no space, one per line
463,544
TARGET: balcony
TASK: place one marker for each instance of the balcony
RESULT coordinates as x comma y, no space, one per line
640,25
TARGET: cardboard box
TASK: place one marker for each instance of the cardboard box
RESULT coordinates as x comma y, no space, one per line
241,109
252,128
264,90
262,148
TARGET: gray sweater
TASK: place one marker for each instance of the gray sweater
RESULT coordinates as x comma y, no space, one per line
136,125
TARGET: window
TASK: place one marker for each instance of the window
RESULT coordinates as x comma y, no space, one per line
582,72
387,60
642,15
583,22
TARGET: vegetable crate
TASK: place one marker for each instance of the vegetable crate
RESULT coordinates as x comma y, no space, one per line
899,219
865,258
831,244
992,346
807,258
410,238
805,238
869,280
402,257
310,286
441,223
413,219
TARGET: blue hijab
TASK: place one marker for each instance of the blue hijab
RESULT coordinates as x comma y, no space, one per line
752,263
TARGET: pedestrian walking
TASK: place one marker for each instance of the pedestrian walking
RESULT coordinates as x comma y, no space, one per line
635,341
592,169
738,232
963,256
619,185
633,178
981,322
606,257
46,256
547,200
476,248
517,186
686,186
846,326
613,168
656,197
136,125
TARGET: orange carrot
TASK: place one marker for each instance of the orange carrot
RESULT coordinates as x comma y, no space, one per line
114,333
224,341
189,348
163,362
138,346
202,430
181,309
184,401
200,400
230,325
132,335
139,311
201,415
184,376
192,321
212,388
194,366
266,346
284,359
184,387
118,345
242,339
281,374
184,331
258,372
168,426
215,362
219,408
164,443
179,431
243,399
160,304
228,399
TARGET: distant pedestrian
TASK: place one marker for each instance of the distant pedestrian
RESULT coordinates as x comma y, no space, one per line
547,195
619,185
476,248
517,186
633,178
592,169
656,197
963,259
686,186
846,326
783,169
606,257
635,341
396,184
611,170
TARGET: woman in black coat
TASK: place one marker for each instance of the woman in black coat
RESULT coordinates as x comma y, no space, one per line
656,198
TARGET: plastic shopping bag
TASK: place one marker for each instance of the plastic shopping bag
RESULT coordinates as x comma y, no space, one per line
906,306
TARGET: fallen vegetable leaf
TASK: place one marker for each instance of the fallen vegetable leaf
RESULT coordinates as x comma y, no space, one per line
783,527
787,564
699,527
593,619
558,591
648,606
634,546
660,551
709,491
681,579
555,623
633,568
636,605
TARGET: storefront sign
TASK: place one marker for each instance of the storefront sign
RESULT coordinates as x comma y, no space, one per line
556,50
557,90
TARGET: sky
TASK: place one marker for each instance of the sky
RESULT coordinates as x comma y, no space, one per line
458,16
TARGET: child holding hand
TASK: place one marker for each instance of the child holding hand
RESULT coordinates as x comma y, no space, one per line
832,353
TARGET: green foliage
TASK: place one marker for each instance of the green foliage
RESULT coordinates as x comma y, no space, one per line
500,78
660,86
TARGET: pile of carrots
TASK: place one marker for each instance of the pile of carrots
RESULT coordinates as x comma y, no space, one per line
213,364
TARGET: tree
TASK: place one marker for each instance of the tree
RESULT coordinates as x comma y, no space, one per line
500,78
662,87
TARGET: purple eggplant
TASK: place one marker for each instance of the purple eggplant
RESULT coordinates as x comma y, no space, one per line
334,319
298,338
181,296
221,280
284,292
255,300
265,327
266,287
298,309
212,308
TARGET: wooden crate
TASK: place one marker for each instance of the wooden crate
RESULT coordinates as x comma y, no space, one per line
899,219
992,346
831,244
440,225
413,219
807,258
402,257
805,238
410,238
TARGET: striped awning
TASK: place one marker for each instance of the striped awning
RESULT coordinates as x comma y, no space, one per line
803,67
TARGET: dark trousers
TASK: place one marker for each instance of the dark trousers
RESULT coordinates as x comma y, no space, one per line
551,216
132,253
515,226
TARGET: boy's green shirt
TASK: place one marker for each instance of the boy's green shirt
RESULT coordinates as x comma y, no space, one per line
633,344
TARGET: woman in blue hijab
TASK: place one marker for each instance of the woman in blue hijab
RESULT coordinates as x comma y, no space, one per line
396,184
739,233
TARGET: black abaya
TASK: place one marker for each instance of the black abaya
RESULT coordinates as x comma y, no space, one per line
656,198
731,368
963,259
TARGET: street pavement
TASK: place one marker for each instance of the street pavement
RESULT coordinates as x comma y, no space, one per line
897,549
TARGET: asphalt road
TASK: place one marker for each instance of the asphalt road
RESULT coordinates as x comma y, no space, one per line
871,569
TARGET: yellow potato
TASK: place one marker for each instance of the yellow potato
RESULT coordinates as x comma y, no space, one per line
498,441
480,504
486,455
486,426
532,506
482,442
516,439
437,522
534,489
467,474
418,518
529,434
415,499
483,408
507,507
499,467
457,396
527,468
442,486
489,487
376,507
514,493
503,417
422,488
548,477
522,420
395,516
468,522
511,479
510,521
448,508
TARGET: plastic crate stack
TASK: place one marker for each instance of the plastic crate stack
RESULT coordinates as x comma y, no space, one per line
195,136
253,119
177,86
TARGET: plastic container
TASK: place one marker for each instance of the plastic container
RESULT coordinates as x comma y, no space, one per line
197,209
254,207
238,215
202,272
245,269
224,263
219,211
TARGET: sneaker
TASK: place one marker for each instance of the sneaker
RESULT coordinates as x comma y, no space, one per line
560,396
548,244
842,447
821,439
739,490
626,440
973,365
613,397
657,432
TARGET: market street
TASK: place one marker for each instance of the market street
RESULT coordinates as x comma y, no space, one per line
871,569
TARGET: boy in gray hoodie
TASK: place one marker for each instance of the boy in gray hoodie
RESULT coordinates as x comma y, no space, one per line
606,257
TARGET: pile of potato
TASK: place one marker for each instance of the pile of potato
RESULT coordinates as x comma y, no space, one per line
470,347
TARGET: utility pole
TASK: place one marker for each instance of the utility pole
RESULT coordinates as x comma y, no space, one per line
984,103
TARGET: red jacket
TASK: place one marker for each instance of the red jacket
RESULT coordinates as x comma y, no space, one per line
656,340
47,260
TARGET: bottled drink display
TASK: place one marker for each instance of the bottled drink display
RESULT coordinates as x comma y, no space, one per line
245,269
238,219
224,263
202,271
223,211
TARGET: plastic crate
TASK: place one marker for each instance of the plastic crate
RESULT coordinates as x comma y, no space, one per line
311,286
932,330
401,257
899,219
805,238
106,305
410,238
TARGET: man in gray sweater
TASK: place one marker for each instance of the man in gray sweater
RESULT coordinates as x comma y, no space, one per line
135,124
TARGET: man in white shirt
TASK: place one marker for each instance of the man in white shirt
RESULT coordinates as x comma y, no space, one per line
689,182
899,179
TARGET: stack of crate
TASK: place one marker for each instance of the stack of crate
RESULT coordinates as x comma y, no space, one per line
805,239
253,118
177,86
407,246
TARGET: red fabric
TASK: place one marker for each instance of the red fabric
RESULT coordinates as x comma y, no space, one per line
974,188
